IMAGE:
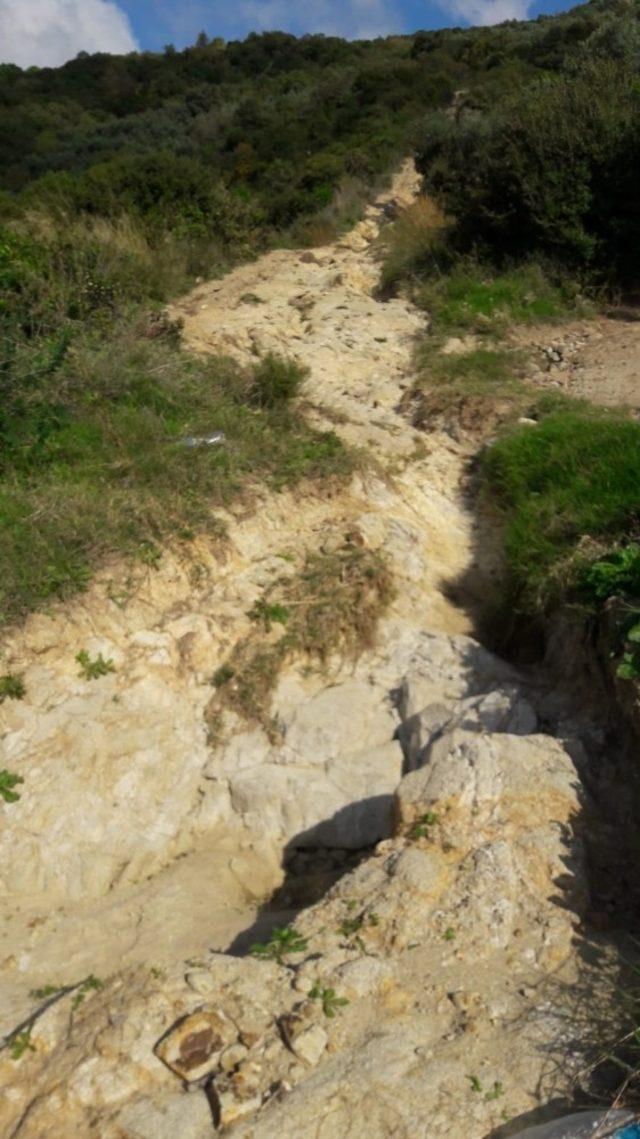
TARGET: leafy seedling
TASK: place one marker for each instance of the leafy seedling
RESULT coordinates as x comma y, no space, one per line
12,687
350,926
149,555
330,1002
476,1086
421,828
46,991
269,615
9,780
90,984
496,1091
629,667
281,943
449,934
21,1043
93,669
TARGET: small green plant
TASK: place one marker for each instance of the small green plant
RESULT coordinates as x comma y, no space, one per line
449,934
476,1086
94,669
46,991
9,780
281,944
269,614
496,1091
12,687
421,828
629,667
21,1043
149,554
330,1001
350,926
90,984
222,676
275,381
615,575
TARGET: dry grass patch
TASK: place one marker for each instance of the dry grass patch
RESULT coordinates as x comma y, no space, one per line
331,607
414,245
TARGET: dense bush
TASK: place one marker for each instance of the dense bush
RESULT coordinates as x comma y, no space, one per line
552,170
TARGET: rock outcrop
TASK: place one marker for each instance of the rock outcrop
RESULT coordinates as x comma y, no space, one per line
425,994
413,972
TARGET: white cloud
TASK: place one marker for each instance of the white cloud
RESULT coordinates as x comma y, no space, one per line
49,32
487,12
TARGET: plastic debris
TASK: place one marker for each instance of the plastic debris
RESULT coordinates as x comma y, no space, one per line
587,1125
204,440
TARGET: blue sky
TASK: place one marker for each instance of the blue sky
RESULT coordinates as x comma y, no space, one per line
156,22
48,32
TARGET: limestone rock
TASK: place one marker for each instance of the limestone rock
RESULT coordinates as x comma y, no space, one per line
167,1116
194,1047
346,803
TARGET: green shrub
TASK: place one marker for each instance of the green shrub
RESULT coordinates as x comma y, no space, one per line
617,574
551,170
12,687
275,381
93,669
8,782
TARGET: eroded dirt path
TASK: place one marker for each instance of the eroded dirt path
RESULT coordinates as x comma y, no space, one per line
120,817
141,846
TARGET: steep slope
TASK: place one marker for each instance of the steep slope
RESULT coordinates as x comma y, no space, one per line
120,779
454,942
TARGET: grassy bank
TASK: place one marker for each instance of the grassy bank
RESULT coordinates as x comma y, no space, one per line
569,492
99,402
565,487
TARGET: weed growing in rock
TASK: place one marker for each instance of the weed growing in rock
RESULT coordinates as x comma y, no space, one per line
281,944
351,926
496,1091
449,934
12,687
149,554
269,615
94,669
329,998
222,676
476,1085
21,1043
9,780
46,991
89,985
422,827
